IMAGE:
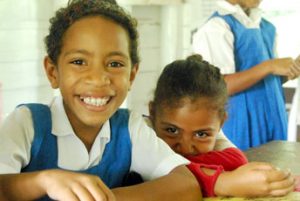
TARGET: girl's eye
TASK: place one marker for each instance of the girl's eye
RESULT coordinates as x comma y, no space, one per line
172,130
115,64
201,134
78,62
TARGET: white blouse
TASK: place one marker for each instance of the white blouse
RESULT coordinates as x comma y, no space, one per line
151,157
215,41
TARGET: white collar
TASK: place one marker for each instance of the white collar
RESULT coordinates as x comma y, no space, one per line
61,125
253,20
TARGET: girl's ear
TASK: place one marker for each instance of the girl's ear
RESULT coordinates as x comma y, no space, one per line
225,116
52,72
133,73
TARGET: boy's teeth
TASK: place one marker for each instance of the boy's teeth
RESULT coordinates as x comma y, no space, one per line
95,101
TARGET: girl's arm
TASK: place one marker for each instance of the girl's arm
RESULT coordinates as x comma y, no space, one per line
230,158
240,81
250,180
209,166
255,179
216,35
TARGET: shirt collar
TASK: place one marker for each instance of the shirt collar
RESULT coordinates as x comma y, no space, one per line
60,122
253,20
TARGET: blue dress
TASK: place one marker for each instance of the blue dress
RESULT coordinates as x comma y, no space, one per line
256,115
116,159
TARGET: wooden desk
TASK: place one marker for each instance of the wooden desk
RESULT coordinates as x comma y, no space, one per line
283,154
290,197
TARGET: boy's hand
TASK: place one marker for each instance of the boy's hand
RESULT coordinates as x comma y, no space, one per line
70,186
255,179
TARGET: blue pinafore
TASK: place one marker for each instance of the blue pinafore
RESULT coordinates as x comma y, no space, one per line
256,115
116,159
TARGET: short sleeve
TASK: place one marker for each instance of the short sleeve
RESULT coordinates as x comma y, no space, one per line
16,135
214,41
151,156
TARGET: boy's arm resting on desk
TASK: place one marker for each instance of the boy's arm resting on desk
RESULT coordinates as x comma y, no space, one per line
57,184
178,185
20,186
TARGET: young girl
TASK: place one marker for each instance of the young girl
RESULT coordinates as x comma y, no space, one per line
187,112
81,146
239,41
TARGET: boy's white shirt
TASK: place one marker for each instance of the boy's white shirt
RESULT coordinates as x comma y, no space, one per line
217,33
151,157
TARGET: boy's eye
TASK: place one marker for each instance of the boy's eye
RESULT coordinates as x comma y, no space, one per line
201,134
115,64
78,62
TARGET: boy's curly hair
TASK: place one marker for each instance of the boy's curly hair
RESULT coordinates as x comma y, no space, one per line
78,9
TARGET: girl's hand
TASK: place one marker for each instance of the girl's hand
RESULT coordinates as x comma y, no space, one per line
281,66
295,69
255,179
284,67
70,186
297,183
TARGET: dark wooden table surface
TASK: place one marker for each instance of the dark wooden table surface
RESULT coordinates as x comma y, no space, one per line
283,154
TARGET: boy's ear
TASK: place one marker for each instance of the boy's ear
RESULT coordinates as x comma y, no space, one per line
133,73
151,114
51,71
150,109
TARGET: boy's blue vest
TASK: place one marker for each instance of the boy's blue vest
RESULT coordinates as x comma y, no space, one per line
256,115
116,159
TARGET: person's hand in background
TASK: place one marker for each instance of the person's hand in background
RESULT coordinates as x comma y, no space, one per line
295,68
297,183
287,67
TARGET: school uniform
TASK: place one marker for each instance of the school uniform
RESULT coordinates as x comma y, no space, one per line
235,42
138,147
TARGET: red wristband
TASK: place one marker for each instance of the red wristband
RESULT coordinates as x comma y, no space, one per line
207,182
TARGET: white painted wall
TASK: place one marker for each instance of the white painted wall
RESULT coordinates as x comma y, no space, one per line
165,32
159,44
23,24
165,35
149,29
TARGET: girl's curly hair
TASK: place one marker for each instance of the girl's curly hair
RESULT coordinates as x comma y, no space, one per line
192,78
